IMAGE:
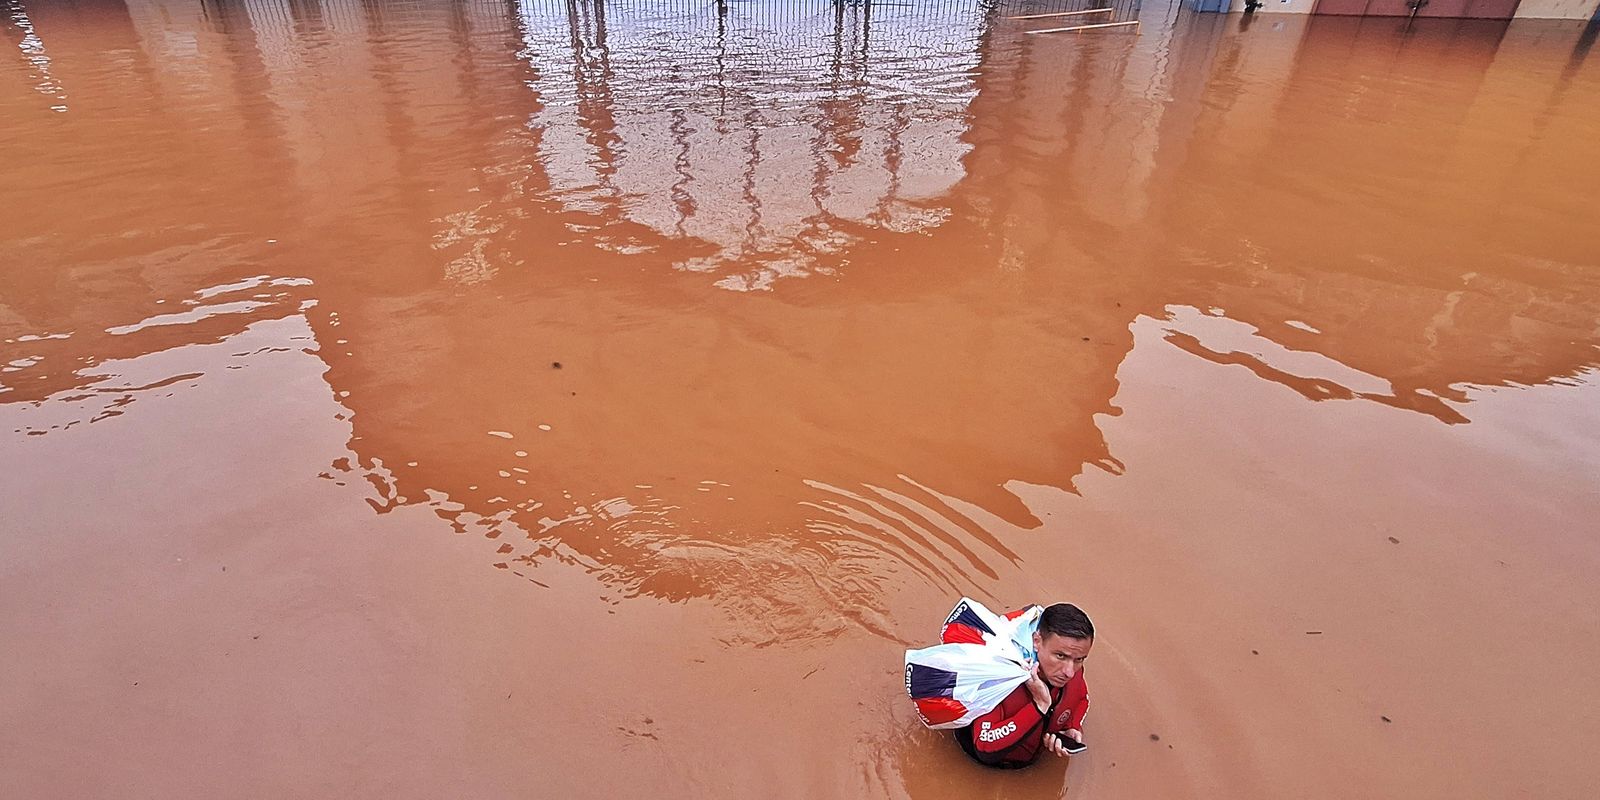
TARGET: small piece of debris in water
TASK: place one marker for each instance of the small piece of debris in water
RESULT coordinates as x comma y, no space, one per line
1313,633
1385,719
1155,737
1393,540
555,365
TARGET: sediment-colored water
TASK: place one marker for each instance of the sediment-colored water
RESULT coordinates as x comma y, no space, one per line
545,400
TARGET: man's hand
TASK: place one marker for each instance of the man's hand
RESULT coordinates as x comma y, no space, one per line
1053,744
1039,690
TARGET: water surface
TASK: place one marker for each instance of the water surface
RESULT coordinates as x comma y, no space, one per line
545,399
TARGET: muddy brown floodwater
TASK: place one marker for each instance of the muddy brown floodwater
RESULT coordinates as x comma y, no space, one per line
499,400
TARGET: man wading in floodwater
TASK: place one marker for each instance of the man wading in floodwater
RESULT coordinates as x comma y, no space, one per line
1053,701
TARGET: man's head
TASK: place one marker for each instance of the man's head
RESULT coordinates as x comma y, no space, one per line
1063,640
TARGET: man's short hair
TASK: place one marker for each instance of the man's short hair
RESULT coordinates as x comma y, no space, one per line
1066,619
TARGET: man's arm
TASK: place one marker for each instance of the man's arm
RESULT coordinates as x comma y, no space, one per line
1007,725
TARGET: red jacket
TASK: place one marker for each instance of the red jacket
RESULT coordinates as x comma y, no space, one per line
1012,734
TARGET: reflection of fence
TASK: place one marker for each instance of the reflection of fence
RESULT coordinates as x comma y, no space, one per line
781,34
790,25
772,134
291,17
795,32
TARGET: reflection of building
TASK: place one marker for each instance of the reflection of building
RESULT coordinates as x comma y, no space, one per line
1414,255
1449,238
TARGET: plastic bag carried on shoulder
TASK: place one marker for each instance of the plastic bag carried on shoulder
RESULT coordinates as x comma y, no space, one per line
982,658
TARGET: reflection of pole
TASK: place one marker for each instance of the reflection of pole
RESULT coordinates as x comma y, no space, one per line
866,33
593,86
682,201
532,133
829,126
838,39
603,51
572,29
819,170
893,157
722,63
751,199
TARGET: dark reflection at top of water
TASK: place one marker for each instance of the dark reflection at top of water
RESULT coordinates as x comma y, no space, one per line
937,232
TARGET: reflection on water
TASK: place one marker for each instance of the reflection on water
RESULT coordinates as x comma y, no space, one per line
762,139
33,52
514,228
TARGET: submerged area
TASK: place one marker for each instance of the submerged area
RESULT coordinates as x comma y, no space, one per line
567,399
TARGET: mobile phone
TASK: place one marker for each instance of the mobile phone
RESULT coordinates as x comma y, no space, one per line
1071,745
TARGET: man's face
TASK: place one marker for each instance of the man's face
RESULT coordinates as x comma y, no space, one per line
1060,657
